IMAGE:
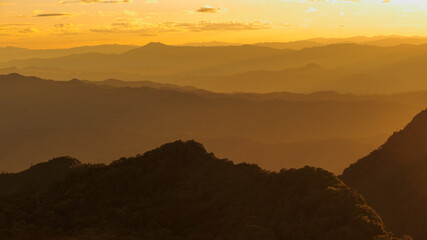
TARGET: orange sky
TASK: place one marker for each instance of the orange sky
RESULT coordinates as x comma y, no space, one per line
66,23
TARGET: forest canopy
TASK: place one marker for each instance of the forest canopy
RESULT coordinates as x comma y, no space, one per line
180,191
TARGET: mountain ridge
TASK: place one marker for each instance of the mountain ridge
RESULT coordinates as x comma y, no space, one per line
180,191
392,178
37,177
97,123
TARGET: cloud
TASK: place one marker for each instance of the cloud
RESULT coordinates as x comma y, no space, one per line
97,1
29,30
15,24
141,29
209,9
311,9
105,1
223,26
53,15
14,29
331,1
417,2
146,29
129,13
65,29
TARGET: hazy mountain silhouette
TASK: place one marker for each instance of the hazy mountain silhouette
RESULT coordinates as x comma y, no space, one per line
67,74
137,84
412,69
10,53
352,58
210,44
394,41
404,76
380,41
153,58
308,78
298,79
295,45
97,123
393,179
346,67
180,191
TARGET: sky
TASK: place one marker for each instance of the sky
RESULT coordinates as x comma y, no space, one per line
69,23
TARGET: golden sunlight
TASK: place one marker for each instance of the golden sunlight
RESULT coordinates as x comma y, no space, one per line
213,119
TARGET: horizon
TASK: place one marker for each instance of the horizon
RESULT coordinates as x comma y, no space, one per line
213,119
354,39
64,24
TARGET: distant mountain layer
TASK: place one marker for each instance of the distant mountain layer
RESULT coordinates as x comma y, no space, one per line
98,122
393,179
345,67
295,45
180,191
153,58
383,41
11,53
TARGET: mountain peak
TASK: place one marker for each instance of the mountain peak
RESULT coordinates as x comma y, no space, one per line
182,179
37,177
65,162
180,145
312,66
393,177
420,118
154,45
187,152
410,141
150,47
14,75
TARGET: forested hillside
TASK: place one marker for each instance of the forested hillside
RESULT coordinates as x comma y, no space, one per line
393,179
180,191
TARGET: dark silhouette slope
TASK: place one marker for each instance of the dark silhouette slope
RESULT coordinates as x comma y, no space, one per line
37,177
393,179
180,191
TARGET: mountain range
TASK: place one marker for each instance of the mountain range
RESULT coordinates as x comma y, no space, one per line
103,121
11,53
282,111
180,191
344,67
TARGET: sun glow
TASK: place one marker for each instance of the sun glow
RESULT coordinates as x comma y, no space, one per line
420,2
52,23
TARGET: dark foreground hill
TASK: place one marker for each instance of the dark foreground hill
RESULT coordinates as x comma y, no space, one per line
393,179
180,191
37,177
